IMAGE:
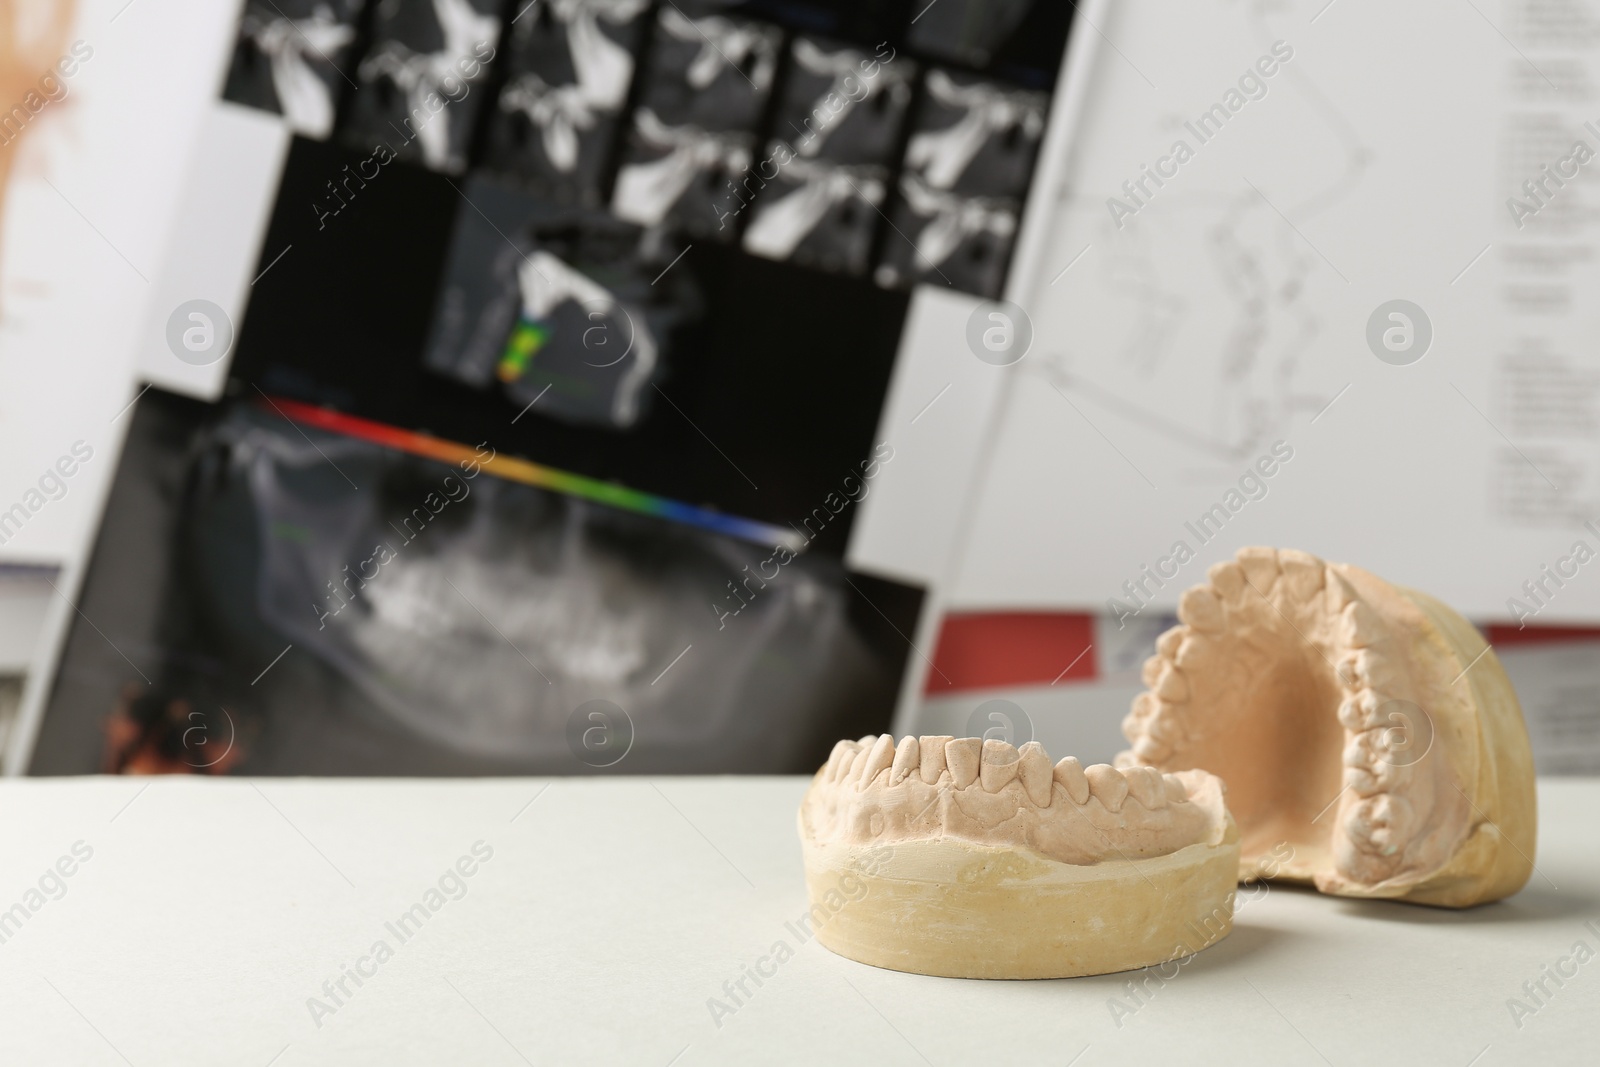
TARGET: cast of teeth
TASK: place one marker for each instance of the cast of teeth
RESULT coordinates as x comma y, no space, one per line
1376,816
994,767
985,860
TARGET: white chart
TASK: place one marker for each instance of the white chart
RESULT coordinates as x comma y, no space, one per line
1337,159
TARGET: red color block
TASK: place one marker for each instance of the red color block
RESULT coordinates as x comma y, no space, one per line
996,650
1506,635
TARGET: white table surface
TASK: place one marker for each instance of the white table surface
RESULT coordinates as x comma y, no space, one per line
611,910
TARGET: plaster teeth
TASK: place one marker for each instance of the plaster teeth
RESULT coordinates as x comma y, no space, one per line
1228,578
1155,720
1366,669
1380,824
1151,671
989,823
1194,650
1361,781
1340,591
1144,706
1260,567
1165,725
878,758
839,761
1377,669
1302,573
1151,749
1069,772
1167,644
1359,626
1176,791
1033,769
1369,753
964,756
1200,608
933,763
1172,686
1360,711
867,740
907,759
1107,785
999,765
1125,759
1145,786
1364,750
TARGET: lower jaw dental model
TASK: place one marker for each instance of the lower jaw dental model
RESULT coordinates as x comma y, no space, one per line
1366,726
968,858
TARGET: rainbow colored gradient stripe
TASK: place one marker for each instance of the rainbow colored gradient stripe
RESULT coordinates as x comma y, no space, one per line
521,470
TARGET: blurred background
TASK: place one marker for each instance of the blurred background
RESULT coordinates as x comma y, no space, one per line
461,387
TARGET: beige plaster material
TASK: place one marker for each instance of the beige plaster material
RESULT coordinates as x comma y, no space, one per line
1367,726
974,859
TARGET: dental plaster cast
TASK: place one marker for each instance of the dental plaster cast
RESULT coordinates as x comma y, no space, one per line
970,858
1367,726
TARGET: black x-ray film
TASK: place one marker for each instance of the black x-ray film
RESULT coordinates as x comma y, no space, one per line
292,58
844,105
706,83
557,308
569,65
974,137
818,214
423,79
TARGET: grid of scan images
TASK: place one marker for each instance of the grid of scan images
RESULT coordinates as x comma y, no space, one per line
889,141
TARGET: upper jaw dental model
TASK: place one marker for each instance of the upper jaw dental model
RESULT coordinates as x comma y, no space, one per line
1366,726
969,858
